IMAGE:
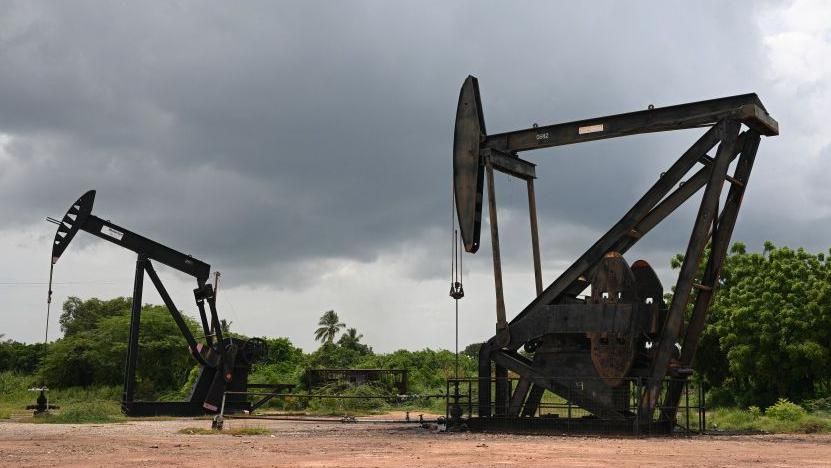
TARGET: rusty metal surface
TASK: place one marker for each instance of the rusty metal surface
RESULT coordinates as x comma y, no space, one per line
613,352
468,171
623,330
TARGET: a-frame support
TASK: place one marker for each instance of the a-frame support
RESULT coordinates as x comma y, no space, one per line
475,154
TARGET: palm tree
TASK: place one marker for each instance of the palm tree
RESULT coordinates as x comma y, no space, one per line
330,325
351,339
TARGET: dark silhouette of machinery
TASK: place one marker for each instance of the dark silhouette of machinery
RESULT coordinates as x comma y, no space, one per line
619,353
224,361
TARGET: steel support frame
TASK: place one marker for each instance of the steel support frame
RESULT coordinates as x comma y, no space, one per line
132,341
212,358
658,202
513,166
729,130
719,244
145,266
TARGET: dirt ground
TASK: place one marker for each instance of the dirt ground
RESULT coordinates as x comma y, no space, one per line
158,443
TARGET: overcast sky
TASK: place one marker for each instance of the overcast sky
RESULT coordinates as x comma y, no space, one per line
303,149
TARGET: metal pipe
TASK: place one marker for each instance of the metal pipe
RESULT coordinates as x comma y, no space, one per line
333,420
502,335
367,397
535,236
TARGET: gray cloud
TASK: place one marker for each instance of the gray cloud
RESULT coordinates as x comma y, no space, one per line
272,137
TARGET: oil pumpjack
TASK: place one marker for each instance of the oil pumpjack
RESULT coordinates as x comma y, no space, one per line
224,361
620,352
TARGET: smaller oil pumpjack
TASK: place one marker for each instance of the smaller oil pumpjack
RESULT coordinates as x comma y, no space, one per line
224,361
622,340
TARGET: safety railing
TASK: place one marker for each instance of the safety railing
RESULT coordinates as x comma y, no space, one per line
577,405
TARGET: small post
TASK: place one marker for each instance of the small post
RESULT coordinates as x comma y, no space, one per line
703,409
638,387
219,419
687,403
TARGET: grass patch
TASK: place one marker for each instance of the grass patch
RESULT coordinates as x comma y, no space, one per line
96,411
239,431
5,413
739,420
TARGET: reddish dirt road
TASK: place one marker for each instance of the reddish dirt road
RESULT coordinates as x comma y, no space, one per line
158,443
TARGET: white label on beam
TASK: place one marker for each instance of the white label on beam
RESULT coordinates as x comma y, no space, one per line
590,129
115,234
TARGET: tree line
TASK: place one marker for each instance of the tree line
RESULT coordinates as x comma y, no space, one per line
768,335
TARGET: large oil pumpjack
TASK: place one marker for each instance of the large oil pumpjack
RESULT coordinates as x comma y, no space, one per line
620,353
224,361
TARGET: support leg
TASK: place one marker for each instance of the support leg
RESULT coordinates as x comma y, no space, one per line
518,398
503,393
485,381
132,345
728,130
718,252
503,337
535,236
533,401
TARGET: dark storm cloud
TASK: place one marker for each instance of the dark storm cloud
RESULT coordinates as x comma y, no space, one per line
264,135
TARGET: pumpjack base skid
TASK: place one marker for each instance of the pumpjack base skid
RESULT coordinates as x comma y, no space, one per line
176,408
543,425
623,329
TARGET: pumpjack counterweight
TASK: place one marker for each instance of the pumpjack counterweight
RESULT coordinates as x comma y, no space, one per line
610,352
224,361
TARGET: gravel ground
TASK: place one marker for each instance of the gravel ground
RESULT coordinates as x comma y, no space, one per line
158,443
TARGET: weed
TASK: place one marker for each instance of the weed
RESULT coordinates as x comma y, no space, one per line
785,410
239,431
96,411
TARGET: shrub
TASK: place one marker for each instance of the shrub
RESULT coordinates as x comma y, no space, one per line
369,403
96,411
819,404
785,410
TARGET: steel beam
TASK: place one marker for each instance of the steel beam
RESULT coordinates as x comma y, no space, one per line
502,333
746,108
718,253
132,341
535,236
174,312
623,227
728,131
150,248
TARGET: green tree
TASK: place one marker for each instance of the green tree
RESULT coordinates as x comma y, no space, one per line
472,350
329,326
352,340
95,355
283,363
20,357
769,328
79,315
428,369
